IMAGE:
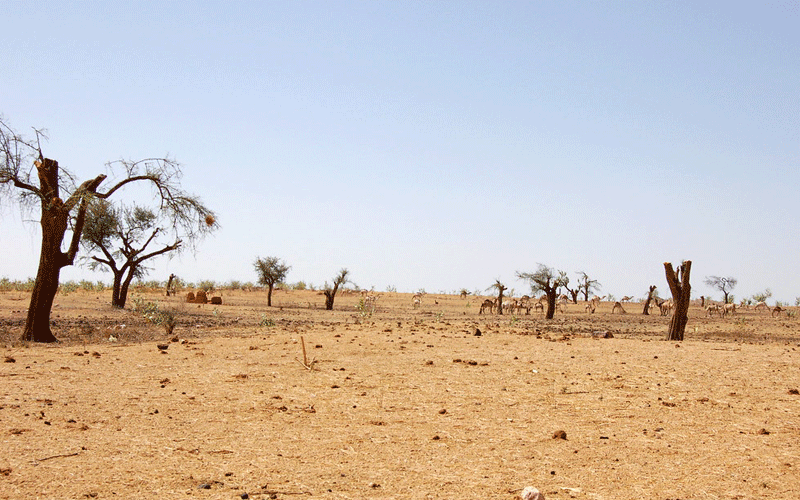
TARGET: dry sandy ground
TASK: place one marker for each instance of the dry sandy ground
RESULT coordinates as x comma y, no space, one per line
403,403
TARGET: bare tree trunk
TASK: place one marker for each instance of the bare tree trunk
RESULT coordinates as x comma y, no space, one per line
269,294
169,284
574,294
500,291
37,326
646,310
123,290
551,302
329,296
116,289
681,291
54,223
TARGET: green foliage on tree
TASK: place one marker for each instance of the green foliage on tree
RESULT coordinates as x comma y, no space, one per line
546,279
270,271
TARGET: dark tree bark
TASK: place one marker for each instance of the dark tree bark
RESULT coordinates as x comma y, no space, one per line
500,289
552,295
330,293
169,284
646,310
681,291
574,294
54,222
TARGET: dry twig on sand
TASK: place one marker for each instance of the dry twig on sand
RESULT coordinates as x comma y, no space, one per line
305,363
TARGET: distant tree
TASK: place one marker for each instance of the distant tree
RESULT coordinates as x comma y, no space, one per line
270,271
681,293
723,284
573,292
762,296
330,290
587,286
500,289
650,295
171,285
118,239
546,280
26,174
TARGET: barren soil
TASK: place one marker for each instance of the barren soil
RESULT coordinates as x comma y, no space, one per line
398,403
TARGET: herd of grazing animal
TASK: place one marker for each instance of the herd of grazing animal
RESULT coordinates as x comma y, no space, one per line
665,307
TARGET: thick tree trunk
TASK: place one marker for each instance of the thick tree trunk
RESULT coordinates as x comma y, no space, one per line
574,295
116,290
269,295
123,291
500,303
551,303
329,296
37,326
646,310
54,221
681,291
119,295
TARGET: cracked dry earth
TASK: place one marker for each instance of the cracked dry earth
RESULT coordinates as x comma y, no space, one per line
402,402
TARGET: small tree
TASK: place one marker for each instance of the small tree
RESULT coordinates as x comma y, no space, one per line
587,286
681,292
34,179
121,235
762,296
545,280
500,289
723,284
646,310
573,292
270,271
330,290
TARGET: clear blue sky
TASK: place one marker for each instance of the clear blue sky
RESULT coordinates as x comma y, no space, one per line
434,145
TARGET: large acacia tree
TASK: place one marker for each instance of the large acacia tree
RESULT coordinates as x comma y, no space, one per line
546,280
34,180
122,238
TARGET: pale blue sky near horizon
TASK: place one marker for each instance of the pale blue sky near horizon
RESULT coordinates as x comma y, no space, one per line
433,145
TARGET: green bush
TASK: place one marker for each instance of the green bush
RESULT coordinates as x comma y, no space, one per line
207,285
